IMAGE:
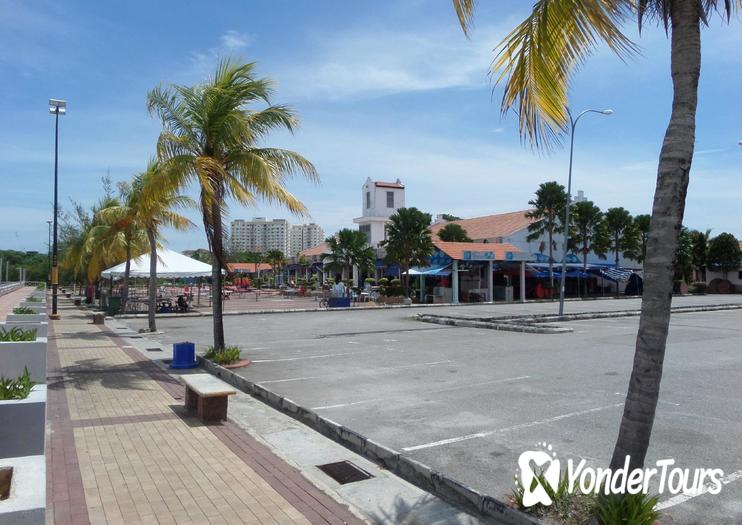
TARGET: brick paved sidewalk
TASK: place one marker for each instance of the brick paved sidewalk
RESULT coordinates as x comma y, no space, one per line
11,300
121,449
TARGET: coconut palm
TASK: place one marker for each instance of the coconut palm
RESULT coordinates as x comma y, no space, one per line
409,241
548,210
700,241
641,228
536,62
213,139
589,231
277,260
154,203
349,248
621,235
453,232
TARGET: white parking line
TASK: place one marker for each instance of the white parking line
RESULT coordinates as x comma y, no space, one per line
300,358
682,498
507,429
371,371
435,391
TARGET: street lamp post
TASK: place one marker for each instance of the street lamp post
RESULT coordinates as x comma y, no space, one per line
573,125
56,108
49,254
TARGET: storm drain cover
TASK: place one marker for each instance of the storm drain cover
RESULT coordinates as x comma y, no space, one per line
154,349
344,472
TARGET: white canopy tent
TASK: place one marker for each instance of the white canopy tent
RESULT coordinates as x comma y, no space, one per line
169,264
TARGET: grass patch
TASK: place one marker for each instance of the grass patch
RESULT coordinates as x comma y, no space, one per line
33,299
23,310
230,354
18,388
17,334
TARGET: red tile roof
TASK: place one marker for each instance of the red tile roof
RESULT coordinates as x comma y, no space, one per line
382,184
489,226
455,250
320,249
247,267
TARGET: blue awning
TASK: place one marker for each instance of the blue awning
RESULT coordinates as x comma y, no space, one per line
618,275
430,270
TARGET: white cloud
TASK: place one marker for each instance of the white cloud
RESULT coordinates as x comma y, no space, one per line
235,41
230,43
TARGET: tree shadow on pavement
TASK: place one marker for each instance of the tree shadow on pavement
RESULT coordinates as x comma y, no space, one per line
426,510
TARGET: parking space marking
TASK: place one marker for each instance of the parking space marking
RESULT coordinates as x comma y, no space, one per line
508,429
434,391
382,369
682,498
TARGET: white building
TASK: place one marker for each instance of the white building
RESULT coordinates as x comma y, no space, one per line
304,236
260,235
379,202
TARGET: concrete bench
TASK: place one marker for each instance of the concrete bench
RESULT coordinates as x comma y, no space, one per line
207,396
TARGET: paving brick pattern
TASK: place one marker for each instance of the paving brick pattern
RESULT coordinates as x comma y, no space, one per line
122,449
11,300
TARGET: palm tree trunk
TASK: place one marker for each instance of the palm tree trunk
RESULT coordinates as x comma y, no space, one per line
667,217
216,277
551,265
152,280
127,269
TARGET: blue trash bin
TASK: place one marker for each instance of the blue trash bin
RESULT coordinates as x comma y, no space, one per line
184,355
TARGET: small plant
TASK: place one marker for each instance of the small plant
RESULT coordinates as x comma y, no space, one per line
41,286
562,491
18,388
33,299
230,354
23,310
626,509
17,334
698,288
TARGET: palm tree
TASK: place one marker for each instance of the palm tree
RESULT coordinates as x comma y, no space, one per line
700,241
212,138
621,235
641,227
349,248
277,260
118,232
548,210
453,232
409,241
154,205
589,231
537,61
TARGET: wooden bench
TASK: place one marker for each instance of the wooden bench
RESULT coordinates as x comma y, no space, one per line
207,396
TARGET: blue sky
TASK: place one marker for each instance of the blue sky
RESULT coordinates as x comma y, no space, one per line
384,89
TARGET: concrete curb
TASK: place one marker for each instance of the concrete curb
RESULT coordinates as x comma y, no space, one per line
412,471
525,323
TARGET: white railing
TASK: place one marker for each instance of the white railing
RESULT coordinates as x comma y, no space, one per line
9,287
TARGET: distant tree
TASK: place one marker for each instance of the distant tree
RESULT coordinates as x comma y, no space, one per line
683,261
641,227
453,233
700,248
349,248
447,217
621,235
548,210
277,261
588,231
724,254
409,241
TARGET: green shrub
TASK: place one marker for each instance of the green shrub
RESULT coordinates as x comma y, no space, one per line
369,280
698,287
23,310
17,334
561,493
18,388
33,299
626,509
229,355
41,286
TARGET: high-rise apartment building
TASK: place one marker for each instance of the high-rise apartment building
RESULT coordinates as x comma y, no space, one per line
262,235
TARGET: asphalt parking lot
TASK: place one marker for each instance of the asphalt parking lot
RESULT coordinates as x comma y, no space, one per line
468,401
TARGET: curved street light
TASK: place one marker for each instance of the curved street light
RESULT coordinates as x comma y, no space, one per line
573,124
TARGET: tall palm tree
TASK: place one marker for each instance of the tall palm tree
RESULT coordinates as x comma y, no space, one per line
641,227
537,61
154,203
409,241
548,210
118,234
349,248
212,137
621,235
277,260
589,231
700,241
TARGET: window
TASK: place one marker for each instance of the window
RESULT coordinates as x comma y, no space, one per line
390,199
366,230
368,199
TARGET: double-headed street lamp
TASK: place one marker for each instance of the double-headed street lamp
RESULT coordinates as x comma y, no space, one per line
573,125
56,108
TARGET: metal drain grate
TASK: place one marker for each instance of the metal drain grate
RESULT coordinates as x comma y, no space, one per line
344,472
154,349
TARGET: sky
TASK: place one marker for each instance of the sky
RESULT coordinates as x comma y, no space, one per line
384,89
